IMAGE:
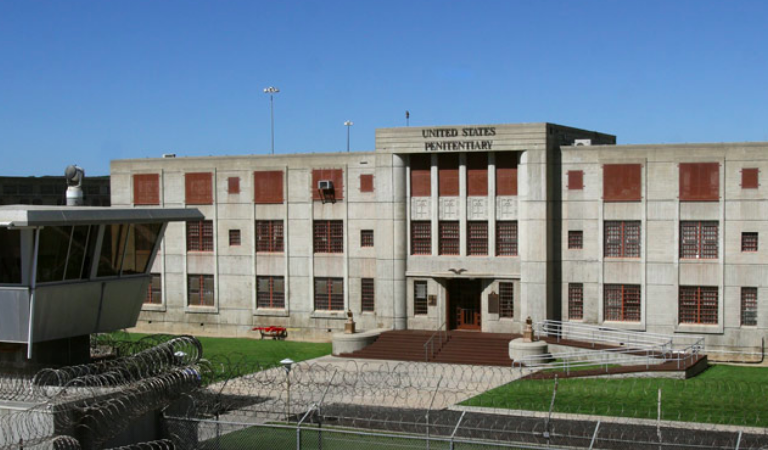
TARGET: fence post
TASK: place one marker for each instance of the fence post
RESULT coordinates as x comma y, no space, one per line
551,407
319,415
658,419
431,402
456,428
594,435
738,440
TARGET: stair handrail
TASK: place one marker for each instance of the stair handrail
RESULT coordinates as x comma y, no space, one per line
429,347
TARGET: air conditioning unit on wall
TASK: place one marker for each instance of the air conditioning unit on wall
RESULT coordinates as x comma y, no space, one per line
325,185
582,142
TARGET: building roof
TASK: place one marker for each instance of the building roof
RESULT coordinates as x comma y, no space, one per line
32,215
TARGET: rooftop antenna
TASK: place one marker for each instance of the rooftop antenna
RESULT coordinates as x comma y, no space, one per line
407,118
74,176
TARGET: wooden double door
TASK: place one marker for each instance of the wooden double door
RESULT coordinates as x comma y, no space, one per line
464,304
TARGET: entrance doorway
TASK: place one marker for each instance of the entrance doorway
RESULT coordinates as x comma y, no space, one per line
464,304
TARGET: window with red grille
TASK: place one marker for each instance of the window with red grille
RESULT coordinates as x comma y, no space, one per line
575,180
336,176
506,299
700,182
698,240
750,178
329,236
268,187
448,175
698,305
421,237
448,238
419,298
622,182
749,306
366,183
506,238
200,236
154,290
575,239
477,174
575,301
198,188
621,302
622,239
421,175
233,185
367,295
146,189
749,242
477,238
329,294
200,290
270,292
269,236
234,238
506,173
366,238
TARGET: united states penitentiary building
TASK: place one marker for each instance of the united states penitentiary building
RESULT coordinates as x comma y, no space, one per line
470,227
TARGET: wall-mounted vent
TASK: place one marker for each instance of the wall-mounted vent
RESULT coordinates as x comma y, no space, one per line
582,142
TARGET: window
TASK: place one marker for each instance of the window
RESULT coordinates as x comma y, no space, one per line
506,238
575,301
329,294
575,239
198,188
366,183
749,242
621,302
622,182
506,300
698,240
622,239
477,174
269,236
506,173
419,298
448,238
233,185
142,239
146,189
10,256
336,176
575,180
154,290
750,178
448,175
200,290
421,175
699,182
329,236
477,238
421,238
366,238
200,236
268,187
749,306
270,292
234,238
698,305
367,295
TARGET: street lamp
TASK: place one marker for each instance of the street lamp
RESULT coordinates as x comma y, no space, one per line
348,124
272,91
287,364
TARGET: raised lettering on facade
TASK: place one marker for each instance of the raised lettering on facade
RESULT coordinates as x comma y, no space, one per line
458,145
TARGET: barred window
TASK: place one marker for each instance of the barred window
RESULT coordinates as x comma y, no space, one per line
506,300
698,305
421,238
329,236
200,290
366,238
477,238
622,239
329,294
621,302
154,290
234,238
448,243
367,295
575,301
270,292
748,242
419,298
698,240
749,306
200,236
269,236
575,239
506,238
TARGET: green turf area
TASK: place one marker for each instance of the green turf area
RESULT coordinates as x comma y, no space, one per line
578,368
722,394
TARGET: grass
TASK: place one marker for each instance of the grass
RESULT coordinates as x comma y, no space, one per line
578,368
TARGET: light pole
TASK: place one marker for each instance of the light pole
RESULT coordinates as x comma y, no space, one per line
272,91
287,364
348,124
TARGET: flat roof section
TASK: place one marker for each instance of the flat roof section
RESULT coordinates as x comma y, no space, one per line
32,215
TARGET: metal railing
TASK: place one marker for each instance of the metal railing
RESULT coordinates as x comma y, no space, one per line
595,334
592,359
435,342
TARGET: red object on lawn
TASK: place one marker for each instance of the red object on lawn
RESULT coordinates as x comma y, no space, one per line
273,332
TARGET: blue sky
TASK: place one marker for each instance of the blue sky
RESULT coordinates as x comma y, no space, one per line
89,81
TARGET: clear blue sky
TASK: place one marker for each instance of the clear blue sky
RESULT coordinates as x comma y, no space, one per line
89,81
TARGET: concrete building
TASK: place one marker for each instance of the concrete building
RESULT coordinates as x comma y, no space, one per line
469,227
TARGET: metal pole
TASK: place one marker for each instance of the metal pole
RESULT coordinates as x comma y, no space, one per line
594,436
347,138
658,419
272,119
431,402
738,441
551,407
32,289
456,428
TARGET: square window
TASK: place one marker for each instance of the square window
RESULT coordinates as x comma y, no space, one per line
270,292
328,236
366,238
750,178
234,238
269,236
233,185
621,302
622,239
477,238
698,305
200,236
448,243
506,238
200,290
749,242
575,180
698,240
421,237
329,294
575,239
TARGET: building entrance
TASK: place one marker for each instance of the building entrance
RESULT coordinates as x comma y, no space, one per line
464,304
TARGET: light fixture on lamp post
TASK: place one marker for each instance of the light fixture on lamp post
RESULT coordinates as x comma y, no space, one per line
272,91
287,364
348,124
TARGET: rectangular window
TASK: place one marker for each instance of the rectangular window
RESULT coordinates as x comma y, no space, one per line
575,180
448,238
698,240
749,242
329,294
198,188
146,189
421,237
367,295
506,173
269,236
477,238
622,239
421,175
200,290
477,174
700,182
506,300
329,236
10,256
233,185
621,302
234,238
698,305
448,175
575,239
622,182
750,178
506,238
200,236
366,238
268,187
270,292
154,290
749,306
366,183
575,301
419,298
335,176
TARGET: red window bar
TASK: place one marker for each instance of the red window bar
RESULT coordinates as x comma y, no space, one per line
622,239
366,238
200,290
698,240
329,236
575,301
506,238
234,238
200,236
506,300
154,290
367,294
270,292
419,298
477,238
421,238
749,306
448,243
575,239
329,294
749,242
621,302
698,305
269,236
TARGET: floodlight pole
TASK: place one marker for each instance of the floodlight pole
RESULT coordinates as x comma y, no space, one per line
272,91
348,124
